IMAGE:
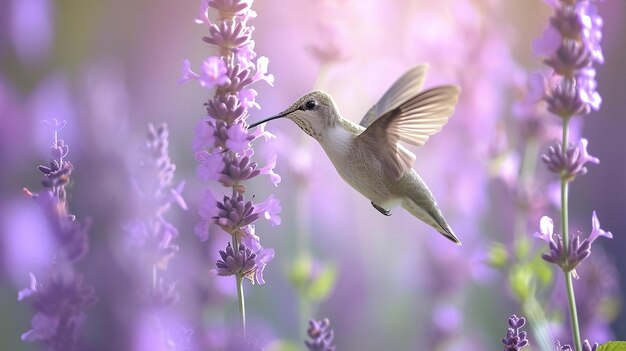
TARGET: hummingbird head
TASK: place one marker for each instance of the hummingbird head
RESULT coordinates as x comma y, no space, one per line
313,113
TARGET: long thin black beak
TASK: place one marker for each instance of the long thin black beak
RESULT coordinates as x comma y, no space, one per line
269,119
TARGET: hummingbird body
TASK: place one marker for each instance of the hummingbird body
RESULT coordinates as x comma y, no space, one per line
368,156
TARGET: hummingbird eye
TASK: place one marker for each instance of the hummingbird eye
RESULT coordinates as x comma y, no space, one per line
311,104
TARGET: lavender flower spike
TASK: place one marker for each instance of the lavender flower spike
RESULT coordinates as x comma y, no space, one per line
321,336
515,339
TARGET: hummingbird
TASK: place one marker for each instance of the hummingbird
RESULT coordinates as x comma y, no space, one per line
369,156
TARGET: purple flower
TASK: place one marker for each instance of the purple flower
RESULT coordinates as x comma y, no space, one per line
269,169
229,35
515,339
226,108
210,165
586,346
240,262
234,213
570,46
571,163
60,301
238,138
237,169
212,73
577,251
263,255
270,208
204,135
208,210
596,231
320,335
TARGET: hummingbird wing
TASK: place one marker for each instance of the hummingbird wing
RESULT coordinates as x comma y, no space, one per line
406,87
413,122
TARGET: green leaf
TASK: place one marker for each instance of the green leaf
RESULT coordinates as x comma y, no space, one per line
313,281
322,284
522,247
521,281
498,256
613,346
300,272
544,271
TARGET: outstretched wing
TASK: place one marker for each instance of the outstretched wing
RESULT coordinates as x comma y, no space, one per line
413,122
406,87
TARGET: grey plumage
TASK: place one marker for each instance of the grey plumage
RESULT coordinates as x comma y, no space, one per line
369,156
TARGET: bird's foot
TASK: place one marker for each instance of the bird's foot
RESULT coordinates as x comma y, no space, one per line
381,210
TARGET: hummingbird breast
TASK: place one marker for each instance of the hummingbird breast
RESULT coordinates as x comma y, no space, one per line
358,166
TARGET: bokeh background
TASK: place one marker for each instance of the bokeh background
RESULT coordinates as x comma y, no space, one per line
111,67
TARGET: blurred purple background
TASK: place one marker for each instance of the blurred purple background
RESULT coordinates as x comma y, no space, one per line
110,68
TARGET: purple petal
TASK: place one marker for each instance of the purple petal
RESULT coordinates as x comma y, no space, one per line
187,73
205,135
208,207
261,71
44,327
269,169
270,208
238,139
546,227
247,96
261,132
536,88
548,43
177,195
596,231
210,166
213,72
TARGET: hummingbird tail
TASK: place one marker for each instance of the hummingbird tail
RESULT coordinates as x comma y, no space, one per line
432,217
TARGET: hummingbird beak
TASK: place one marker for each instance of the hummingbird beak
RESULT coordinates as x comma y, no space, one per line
282,114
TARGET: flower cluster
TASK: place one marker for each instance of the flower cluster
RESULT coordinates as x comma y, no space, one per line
586,346
515,339
61,299
321,336
150,235
571,45
569,163
577,250
222,142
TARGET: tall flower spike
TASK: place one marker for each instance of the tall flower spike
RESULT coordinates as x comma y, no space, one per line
222,145
515,339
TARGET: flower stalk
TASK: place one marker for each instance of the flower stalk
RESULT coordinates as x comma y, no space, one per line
570,46
222,144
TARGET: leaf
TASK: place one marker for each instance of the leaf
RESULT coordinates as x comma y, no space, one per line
322,284
498,256
613,346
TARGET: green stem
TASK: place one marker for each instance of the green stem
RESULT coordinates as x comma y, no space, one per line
571,299
240,296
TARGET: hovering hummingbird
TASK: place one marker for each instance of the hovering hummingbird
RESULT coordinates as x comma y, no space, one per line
369,156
